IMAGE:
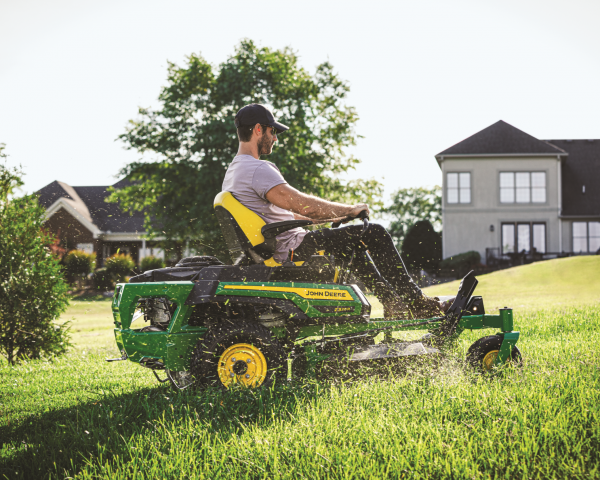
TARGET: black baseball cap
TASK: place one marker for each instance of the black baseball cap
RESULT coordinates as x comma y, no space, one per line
255,113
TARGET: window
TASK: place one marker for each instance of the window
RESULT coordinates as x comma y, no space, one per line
523,187
593,237
586,237
86,247
508,238
539,237
458,187
523,237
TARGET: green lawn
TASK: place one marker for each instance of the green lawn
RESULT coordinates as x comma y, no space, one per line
80,417
91,324
553,283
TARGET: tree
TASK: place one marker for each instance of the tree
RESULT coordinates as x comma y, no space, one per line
409,205
422,247
33,293
194,139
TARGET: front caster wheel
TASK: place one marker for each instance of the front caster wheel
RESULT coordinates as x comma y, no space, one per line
483,353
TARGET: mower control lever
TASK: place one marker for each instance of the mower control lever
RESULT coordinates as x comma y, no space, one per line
458,307
363,215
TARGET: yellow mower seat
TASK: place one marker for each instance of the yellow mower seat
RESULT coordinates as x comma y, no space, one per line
246,233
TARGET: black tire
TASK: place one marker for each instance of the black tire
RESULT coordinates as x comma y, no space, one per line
477,355
208,363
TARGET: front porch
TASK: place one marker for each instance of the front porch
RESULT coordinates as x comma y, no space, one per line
137,249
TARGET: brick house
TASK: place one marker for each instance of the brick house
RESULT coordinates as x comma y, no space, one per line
81,219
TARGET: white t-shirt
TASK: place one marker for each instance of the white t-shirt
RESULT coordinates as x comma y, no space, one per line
249,180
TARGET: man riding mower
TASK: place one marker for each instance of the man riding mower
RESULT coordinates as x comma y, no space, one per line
286,299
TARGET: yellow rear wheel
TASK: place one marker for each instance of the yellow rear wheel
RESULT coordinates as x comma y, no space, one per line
243,354
242,364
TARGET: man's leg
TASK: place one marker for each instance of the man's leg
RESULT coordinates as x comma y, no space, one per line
386,276
341,243
385,255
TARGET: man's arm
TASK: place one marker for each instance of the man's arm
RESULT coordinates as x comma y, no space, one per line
300,217
313,208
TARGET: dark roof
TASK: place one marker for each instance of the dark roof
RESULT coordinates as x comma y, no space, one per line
90,202
109,217
582,167
51,193
501,139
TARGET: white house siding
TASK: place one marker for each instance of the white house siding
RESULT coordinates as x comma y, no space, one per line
467,226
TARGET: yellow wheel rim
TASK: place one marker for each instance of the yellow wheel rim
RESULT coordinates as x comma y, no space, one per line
242,364
490,359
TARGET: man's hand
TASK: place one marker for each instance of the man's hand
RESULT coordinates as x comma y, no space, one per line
356,209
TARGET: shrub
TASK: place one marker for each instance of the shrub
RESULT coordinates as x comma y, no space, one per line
120,266
461,264
151,263
422,247
103,280
78,262
33,292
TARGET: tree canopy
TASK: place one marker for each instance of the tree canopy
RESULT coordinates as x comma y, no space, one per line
32,291
409,205
194,139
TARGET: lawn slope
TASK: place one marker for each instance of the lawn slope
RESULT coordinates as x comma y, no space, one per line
553,283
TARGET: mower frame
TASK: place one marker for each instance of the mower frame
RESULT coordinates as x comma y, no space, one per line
329,312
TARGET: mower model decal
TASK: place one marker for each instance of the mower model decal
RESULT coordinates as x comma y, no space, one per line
333,308
313,293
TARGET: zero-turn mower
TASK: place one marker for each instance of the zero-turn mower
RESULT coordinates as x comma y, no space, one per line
210,324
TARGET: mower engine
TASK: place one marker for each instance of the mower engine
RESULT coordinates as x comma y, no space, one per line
157,311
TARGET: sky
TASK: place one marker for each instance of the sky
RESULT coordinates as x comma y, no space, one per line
423,75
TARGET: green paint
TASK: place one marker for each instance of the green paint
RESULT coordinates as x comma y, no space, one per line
509,341
507,319
305,304
174,346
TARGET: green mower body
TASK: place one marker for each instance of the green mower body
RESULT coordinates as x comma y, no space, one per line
163,323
